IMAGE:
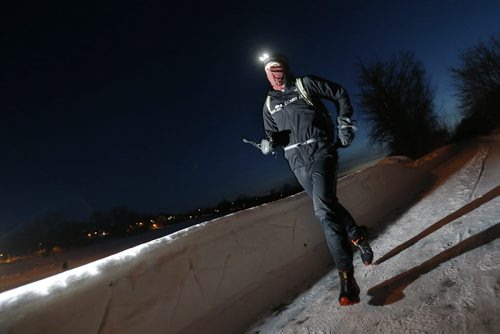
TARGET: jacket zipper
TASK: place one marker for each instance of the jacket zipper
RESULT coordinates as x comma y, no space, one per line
299,154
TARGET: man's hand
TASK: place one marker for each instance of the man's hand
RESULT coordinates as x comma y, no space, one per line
266,146
345,131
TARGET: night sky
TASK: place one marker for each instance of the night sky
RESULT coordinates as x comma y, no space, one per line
144,104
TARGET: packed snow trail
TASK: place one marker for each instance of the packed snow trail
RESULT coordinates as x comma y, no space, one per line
446,220
437,266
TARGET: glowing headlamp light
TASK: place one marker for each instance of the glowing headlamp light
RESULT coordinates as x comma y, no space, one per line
264,57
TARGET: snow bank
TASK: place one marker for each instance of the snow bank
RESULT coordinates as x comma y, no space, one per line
217,277
374,193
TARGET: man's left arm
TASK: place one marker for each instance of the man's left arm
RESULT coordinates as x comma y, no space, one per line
329,90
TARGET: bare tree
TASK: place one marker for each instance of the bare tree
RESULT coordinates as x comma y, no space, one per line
398,102
477,80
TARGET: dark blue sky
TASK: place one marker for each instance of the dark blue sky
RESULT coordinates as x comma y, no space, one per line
143,104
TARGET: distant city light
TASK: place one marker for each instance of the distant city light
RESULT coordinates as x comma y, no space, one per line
97,234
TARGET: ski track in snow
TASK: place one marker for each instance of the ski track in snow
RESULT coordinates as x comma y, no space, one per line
446,281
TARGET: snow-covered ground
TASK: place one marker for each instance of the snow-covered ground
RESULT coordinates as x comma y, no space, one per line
437,267
29,270
435,225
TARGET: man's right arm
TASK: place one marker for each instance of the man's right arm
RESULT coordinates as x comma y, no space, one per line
270,126
267,145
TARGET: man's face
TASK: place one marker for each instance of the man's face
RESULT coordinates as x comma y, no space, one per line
275,73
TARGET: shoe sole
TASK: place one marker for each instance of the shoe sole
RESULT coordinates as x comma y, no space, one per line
344,301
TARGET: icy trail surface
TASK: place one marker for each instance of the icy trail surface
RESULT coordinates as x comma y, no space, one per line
437,267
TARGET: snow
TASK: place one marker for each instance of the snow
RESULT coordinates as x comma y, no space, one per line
435,227
438,266
28,270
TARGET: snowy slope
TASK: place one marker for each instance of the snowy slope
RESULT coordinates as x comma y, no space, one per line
435,224
438,267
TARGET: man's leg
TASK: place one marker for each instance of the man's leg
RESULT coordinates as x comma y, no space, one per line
329,207
338,225
323,179
319,181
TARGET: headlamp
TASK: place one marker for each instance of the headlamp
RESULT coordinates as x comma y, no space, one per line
264,57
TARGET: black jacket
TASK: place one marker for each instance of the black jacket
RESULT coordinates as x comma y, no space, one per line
292,120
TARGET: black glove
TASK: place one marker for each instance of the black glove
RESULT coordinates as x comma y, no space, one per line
346,128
